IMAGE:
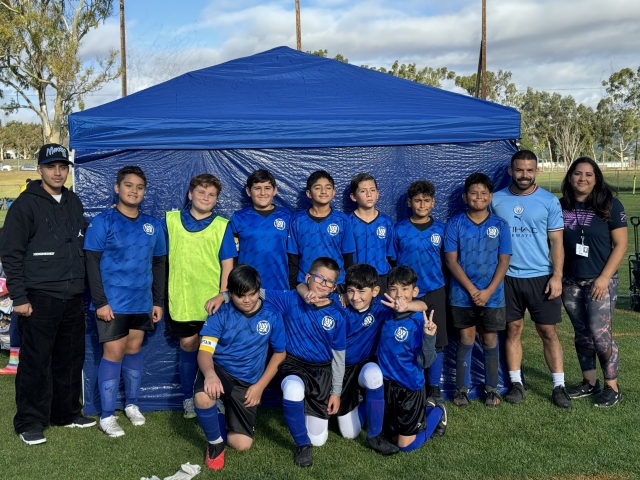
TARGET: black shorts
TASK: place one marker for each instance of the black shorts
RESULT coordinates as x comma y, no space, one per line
184,329
528,294
404,410
317,383
436,300
491,319
239,419
382,283
121,324
351,390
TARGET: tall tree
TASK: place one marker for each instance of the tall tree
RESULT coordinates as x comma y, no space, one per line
25,138
40,40
500,89
426,76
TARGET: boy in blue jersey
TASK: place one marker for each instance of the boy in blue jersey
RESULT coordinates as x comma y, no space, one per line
477,246
406,348
417,243
201,252
372,230
261,232
232,357
126,255
319,231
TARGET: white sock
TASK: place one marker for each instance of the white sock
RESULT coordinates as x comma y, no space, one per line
186,472
515,376
558,379
216,441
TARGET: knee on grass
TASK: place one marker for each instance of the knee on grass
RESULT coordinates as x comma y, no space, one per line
239,442
350,424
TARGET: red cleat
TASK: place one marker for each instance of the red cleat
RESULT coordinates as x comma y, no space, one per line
214,458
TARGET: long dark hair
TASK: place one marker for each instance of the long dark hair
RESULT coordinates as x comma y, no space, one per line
601,197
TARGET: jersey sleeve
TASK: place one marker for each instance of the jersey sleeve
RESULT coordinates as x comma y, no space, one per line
348,242
555,220
160,248
339,340
95,239
451,237
505,240
228,248
618,216
277,340
211,332
292,240
280,301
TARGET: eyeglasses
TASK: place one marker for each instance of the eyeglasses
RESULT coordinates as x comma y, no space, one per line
323,281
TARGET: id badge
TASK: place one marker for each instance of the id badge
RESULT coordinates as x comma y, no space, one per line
582,250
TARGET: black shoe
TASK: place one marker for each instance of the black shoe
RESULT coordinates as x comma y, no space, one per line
492,397
441,428
382,445
435,396
516,393
461,397
82,422
303,457
583,389
609,397
33,437
560,398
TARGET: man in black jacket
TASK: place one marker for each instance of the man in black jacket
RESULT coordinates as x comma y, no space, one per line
42,254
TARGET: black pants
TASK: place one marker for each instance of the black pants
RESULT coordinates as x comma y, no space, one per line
49,379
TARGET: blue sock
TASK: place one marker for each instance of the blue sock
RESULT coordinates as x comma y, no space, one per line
375,411
132,375
417,443
362,414
435,370
463,365
222,422
434,414
208,418
491,367
108,382
294,418
188,365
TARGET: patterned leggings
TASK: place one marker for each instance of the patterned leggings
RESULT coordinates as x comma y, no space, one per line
592,324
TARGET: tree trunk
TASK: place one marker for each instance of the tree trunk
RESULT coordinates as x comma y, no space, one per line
550,152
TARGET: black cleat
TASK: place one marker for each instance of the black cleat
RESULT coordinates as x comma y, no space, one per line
303,457
461,397
33,437
609,397
560,398
82,422
583,389
382,445
492,397
441,428
516,393
435,396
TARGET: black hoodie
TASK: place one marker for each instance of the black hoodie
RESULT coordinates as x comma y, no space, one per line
42,244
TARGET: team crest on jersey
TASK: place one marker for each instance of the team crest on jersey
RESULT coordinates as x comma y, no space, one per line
328,323
401,334
333,229
280,224
436,239
493,232
381,232
263,327
368,320
148,229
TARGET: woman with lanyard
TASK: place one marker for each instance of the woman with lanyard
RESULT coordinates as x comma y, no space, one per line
595,242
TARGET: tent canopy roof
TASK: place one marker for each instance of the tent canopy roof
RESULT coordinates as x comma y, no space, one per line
283,98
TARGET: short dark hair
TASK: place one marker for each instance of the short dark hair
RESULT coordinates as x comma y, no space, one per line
243,279
421,187
325,262
27,180
478,178
361,275
359,178
130,170
402,275
523,155
317,175
261,176
205,180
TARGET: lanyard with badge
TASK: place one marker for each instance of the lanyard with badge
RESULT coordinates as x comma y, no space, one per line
581,249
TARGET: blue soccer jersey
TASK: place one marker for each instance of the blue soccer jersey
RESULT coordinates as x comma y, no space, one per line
262,243
374,241
399,348
128,247
422,251
478,247
311,238
239,342
363,331
312,332
530,218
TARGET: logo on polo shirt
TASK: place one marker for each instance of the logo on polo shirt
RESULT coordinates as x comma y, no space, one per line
436,239
333,229
381,232
518,210
280,224
493,232
148,228
368,320
328,323
401,334
263,327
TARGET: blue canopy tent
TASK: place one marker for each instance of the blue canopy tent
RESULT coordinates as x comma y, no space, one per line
291,113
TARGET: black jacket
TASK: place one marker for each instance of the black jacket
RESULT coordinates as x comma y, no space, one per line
41,246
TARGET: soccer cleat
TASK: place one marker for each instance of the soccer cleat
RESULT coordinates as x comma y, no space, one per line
189,408
441,428
516,393
382,445
133,414
461,397
560,398
609,397
214,457
583,389
110,426
303,457
435,396
492,397
33,437
81,422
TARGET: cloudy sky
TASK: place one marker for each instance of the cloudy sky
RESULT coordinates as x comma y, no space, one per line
568,46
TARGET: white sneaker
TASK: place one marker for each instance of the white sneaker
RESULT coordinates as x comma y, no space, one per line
133,414
110,426
189,408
